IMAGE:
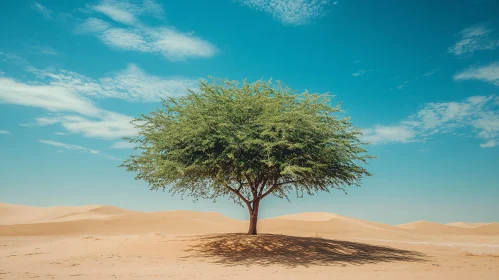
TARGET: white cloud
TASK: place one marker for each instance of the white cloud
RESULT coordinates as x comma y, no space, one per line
136,36
42,10
403,85
93,25
170,43
73,112
123,145
116,14
475,38
46,120
74,148
127,11
488,73
361,72
135,84
489,144
386,134
335,2
430,73
436,115
46,50
49,97
480,114
68,146
109,125
131,84
126,39
66,95
293,12
4,132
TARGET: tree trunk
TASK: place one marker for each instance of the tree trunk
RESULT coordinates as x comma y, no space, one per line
253,217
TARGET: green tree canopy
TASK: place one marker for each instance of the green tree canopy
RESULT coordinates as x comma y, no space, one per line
247,141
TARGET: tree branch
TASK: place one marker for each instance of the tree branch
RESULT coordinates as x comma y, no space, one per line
238,195
240,187
284,183
262,187
269,191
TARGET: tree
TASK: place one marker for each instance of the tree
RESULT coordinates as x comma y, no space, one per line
247,141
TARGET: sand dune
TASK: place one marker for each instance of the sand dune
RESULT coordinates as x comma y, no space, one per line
432,228
18,220
425,227
322,224
466,225
311,216
105,242
11,214
98,219
489,229
65,220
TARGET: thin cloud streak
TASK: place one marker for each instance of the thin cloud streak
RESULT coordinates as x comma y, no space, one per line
488,73
76,148
474,38
42,10
294,12
480,114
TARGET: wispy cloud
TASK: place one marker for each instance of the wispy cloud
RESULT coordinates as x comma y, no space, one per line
386,134
116,14
490,144
48,51
488,73
108,125
127,11
42,10
76,148
137,36
479,114
93,25
361,72
430,72
403,85
170,43
475,38
292,12
68,96
75,113
4,132
131,84
122,145
68,146
48,97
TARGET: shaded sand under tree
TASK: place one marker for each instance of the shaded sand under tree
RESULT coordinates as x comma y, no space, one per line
292,251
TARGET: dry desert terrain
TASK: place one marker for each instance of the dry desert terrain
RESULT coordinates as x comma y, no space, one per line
104,242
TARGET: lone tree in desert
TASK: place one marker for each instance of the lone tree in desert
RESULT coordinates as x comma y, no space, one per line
247,141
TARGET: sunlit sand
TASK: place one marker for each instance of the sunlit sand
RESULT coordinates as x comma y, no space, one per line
104,242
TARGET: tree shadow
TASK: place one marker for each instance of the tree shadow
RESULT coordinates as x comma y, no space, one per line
292,251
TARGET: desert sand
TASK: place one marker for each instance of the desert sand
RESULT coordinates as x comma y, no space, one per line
104,242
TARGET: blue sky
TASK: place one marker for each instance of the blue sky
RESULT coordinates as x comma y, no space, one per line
420,77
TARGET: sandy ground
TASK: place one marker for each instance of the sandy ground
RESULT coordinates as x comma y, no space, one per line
102,242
